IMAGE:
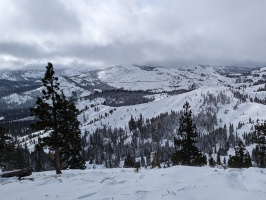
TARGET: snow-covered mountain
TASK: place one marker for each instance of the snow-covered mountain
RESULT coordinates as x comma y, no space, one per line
234,95
162,79
20,88
226,102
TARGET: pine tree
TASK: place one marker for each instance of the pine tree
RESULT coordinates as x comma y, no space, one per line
132,124
58,117
21,157
129,161
6,147
155,161
211,162
241,159
71,137
40,160
218,161
46,111
142,161
260,139
3,142
256,155
187,153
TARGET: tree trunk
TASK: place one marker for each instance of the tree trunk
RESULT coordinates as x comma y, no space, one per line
18,173
57,161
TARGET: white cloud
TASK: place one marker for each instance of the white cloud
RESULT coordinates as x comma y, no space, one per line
110,32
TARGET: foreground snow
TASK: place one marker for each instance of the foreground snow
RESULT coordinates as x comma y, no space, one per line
180,182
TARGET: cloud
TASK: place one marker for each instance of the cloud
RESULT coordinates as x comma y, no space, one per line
117,32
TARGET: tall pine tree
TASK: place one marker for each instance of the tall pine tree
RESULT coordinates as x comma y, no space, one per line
46,111
58,117
187,153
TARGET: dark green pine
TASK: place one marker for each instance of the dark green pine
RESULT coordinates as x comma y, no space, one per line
186,151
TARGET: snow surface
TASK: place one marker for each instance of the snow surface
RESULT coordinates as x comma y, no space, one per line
162,79
164,103
17,98
171,183
179,182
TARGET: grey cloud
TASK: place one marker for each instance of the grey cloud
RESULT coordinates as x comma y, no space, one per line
169,33
48,16
21,50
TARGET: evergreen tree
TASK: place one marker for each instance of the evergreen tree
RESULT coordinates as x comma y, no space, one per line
142,161
57,116
155,161
6,147
137,166
132,124
187,153
260,139
256,155
129,161
3,142
40,160
241,159
21,157
211,162
46,111
218,161
71,135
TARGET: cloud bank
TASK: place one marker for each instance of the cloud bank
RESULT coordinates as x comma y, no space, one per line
102,33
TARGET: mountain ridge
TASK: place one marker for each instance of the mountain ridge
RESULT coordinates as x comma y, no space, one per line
218,97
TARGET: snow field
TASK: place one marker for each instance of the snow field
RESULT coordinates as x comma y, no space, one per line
178,182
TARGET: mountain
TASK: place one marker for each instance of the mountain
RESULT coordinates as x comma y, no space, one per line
18,85
224,100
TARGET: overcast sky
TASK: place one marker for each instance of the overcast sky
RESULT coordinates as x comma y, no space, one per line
103,33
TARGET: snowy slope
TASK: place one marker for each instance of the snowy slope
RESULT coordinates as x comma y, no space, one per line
207,80
120,116
131,78
29,97
165,103
21,75
162,79
179,182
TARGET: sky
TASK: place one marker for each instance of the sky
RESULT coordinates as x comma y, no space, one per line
104,33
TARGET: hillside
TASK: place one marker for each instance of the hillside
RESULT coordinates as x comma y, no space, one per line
227,102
